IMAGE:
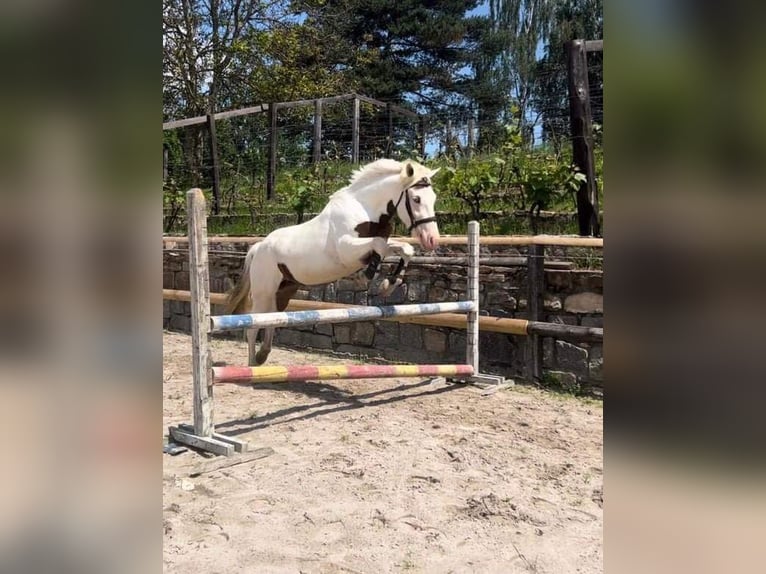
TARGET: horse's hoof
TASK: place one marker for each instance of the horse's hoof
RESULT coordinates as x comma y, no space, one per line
260,357
387,288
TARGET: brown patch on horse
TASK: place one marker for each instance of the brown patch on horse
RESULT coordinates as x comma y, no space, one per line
287,288
382,228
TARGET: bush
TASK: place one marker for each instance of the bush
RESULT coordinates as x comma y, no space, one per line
514,178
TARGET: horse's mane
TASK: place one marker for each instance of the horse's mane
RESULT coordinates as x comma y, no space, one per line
371,172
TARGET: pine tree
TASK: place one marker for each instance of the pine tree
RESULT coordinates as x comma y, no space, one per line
408,51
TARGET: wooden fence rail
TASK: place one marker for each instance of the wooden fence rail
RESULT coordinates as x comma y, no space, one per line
500,240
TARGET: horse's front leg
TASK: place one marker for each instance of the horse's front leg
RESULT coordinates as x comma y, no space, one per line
354,251
405,251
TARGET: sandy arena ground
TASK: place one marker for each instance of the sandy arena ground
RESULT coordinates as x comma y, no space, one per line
394,475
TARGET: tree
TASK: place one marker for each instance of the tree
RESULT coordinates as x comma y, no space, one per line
201,40
409,51
487,87
571,19
225,54
528,22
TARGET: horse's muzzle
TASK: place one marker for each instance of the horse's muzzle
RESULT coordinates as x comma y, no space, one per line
428,235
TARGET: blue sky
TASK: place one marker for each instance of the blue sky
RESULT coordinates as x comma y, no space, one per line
481,10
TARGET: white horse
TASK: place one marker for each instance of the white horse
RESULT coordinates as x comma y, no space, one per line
351,232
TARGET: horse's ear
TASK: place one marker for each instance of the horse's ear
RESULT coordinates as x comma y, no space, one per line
410,170
435,171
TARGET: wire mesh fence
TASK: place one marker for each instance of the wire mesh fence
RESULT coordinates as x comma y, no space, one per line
315,153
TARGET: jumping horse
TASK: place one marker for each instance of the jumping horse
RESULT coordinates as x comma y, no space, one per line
351,232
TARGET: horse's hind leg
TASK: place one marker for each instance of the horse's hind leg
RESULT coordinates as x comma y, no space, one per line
263,352
252,335
265,278
261,304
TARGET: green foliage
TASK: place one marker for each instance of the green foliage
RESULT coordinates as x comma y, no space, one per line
561,384
492,188
306,189
598,156
516,177
474,183
543,180
173,195
173,202
300,190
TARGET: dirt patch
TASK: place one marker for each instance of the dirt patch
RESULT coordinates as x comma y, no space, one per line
394,475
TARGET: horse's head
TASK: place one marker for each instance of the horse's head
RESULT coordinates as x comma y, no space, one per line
416,206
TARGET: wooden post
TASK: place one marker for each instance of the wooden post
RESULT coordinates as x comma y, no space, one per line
582,137
271,166
470,141
472,292
216,165
317,131
201,434
202,374
472,319
422,136
390,136
355,133
535,280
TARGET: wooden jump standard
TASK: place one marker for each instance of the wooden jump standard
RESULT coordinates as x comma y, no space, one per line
201,434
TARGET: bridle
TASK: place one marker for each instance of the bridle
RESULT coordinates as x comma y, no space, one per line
406,196
372,266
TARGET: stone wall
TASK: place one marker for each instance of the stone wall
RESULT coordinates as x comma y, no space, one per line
572,297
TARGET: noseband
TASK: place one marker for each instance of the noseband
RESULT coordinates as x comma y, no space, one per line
405,194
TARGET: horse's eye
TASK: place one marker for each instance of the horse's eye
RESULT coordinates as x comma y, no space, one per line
416,199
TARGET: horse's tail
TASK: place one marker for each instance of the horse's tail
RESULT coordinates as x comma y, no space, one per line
238,299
